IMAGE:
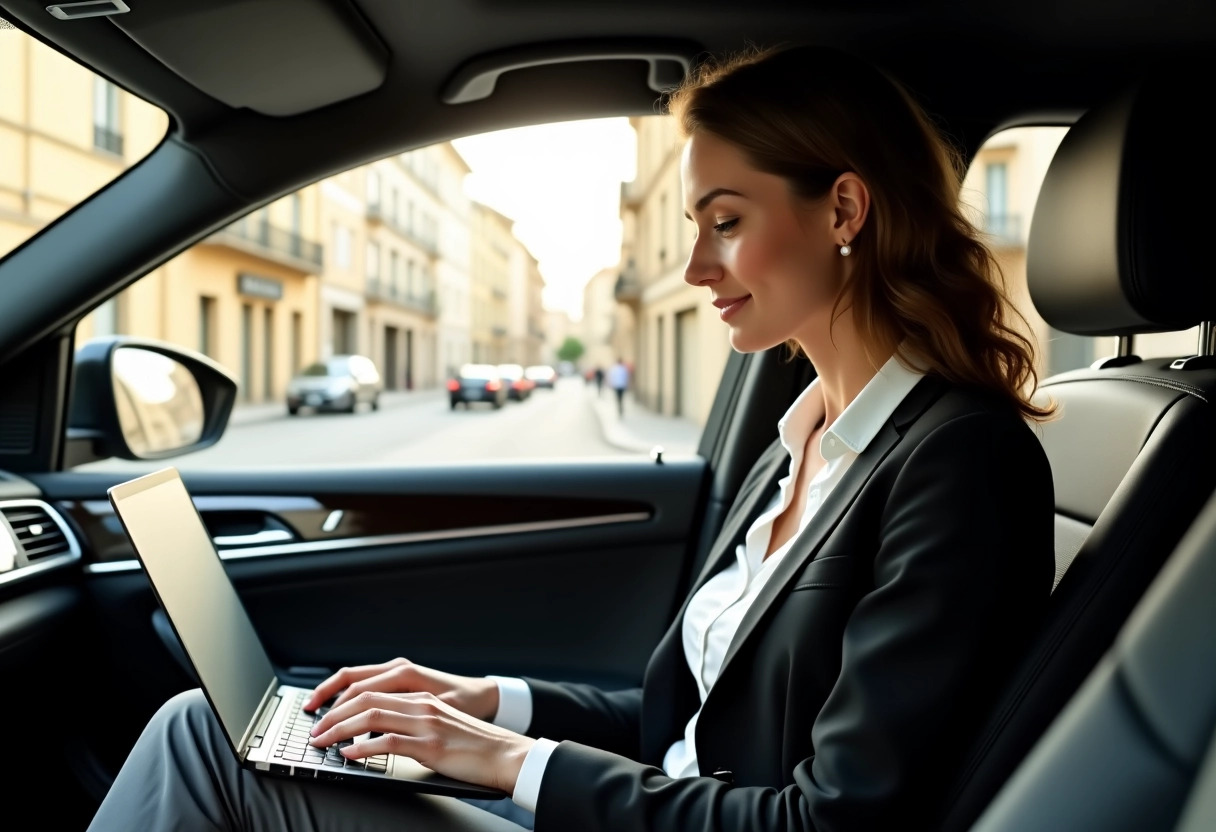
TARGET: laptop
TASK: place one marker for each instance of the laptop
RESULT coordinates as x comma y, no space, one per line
263,718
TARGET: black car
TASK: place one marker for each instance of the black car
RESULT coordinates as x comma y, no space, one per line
571,570
477,383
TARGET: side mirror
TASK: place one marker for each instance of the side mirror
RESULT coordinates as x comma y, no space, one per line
141,399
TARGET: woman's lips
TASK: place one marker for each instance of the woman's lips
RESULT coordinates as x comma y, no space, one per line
729,307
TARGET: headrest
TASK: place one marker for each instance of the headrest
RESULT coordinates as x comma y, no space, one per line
1122,235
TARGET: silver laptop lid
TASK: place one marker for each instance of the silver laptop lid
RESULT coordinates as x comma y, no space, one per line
188,578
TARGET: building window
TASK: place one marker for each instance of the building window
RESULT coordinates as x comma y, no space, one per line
267,354
373,188
662,229
105,318
246,351
206,326
341,246
107,132
372,266
297,340
999,222
394,273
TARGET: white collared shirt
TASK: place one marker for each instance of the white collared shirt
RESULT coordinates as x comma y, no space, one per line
712,617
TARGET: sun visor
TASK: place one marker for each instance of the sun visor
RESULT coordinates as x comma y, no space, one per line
276,57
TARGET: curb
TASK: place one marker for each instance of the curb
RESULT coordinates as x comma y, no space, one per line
610,427
255,413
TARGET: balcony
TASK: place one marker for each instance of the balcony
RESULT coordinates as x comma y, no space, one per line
107,140
628,287
377,213
424,302
271,243
631,194
1005,230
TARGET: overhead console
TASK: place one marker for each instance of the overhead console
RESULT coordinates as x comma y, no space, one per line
283,57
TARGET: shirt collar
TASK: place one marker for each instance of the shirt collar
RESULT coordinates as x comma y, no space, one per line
860,422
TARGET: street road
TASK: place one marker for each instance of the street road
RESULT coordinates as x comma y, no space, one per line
409,428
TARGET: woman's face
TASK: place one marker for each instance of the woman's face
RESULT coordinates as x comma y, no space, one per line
770,259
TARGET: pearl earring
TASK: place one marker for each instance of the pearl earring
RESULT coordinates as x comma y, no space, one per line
846,250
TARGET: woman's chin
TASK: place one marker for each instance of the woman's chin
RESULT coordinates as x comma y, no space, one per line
743,341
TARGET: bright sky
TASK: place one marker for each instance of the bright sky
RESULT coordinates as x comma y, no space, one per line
561,183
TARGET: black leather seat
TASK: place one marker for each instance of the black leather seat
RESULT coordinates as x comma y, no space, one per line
1114,250
1128,751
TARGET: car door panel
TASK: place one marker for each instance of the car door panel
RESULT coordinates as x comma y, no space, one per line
467,568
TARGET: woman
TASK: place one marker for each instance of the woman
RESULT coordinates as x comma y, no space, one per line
876,578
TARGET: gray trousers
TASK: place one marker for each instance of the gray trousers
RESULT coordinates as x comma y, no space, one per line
182,775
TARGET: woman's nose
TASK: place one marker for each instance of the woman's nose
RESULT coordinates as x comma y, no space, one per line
701,267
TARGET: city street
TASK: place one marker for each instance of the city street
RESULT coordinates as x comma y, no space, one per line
418,427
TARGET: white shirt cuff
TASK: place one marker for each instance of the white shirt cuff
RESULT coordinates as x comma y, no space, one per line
514,704
527,787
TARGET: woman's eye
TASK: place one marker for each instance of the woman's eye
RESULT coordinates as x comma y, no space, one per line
725,226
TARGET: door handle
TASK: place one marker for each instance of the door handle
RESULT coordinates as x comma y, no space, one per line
255,539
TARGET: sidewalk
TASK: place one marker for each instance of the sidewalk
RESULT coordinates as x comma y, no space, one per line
642,429
244,414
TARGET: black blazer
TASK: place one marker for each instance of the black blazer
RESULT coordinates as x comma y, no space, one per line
856,680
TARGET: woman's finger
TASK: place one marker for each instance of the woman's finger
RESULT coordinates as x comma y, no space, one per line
345,677
343,718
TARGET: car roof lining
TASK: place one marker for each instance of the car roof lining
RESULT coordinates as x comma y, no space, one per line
974,68
974,65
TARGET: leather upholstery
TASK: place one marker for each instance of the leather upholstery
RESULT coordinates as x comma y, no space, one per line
1127,750
1133,449
1115,248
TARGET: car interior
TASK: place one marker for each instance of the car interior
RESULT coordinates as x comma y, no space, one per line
1106,724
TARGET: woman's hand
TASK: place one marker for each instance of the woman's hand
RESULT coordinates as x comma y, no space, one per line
474,696
428,729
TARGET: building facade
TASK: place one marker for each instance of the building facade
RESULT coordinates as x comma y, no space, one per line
525,315
491,285
375,260
678,344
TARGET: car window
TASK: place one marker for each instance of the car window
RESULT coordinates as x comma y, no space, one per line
316,369
65,132
429,263
526,248
1000,189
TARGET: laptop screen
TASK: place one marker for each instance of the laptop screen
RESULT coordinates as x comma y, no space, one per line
189,579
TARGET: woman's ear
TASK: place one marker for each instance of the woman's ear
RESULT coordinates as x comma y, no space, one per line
851,202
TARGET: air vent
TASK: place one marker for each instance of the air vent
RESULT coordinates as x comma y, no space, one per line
37,532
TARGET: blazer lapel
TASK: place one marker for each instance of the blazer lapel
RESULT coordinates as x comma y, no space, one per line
776,466
833,509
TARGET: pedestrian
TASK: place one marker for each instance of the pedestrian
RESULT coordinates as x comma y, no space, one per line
599,381
618,380
906,498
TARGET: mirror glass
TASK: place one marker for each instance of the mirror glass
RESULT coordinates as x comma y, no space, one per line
160,407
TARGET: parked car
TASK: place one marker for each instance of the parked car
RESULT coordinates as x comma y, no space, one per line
569,569
477,383
340,383
542,375
519,386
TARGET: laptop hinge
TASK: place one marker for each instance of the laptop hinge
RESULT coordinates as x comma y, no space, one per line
264,715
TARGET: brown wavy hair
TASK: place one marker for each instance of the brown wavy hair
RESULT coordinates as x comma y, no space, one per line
924,284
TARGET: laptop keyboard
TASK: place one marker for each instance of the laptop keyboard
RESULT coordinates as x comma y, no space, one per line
293,743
